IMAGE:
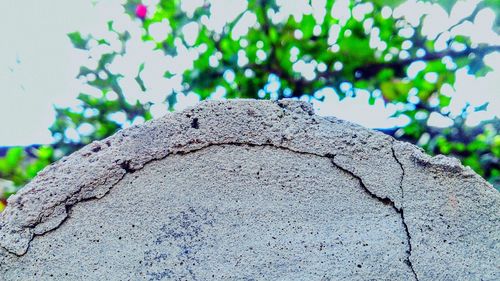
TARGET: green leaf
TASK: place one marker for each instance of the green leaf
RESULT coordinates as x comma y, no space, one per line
168,74
444,101
84,71
138,78
395,90
14,156
307,26
110,25
77,40
385,74
44,152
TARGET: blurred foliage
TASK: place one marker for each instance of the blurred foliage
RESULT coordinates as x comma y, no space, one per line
285,56
19,168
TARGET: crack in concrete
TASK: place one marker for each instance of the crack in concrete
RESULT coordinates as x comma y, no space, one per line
410,264
386,201
129,170
68,207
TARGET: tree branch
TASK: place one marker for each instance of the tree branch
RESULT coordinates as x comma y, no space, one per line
470,17
370,70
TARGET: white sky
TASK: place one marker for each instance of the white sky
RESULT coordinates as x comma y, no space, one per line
38,65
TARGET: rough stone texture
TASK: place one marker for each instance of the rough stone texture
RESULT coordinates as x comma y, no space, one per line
252,190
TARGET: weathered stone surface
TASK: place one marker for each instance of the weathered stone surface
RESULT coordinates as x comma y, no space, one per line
252,190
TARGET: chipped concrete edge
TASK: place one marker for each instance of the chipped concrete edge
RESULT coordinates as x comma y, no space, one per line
43,205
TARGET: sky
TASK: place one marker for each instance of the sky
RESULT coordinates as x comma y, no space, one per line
38,64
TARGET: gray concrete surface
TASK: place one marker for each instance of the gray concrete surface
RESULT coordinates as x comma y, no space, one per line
252,190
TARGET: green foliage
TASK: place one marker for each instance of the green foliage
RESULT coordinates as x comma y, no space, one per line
19,168
77,40
478,148
300,54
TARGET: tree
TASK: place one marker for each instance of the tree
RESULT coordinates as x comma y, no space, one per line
264,52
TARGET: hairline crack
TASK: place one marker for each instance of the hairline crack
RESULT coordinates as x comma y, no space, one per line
384,200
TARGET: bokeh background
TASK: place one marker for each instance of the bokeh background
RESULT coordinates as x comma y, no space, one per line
71,72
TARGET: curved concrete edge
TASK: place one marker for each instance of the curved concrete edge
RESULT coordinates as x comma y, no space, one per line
452,215
377,160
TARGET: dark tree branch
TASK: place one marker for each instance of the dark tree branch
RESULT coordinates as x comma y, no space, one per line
370,70
470,17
